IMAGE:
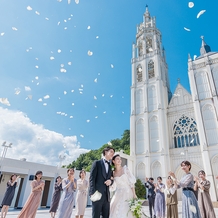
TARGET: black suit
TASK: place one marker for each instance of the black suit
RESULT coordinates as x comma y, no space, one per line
97,178
151,195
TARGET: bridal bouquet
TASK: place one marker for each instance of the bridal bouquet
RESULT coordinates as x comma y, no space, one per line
135,206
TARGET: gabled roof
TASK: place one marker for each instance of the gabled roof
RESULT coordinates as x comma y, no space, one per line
180,97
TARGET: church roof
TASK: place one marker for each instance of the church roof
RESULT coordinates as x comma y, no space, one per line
181,96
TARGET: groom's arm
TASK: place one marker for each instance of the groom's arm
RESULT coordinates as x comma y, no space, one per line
92,178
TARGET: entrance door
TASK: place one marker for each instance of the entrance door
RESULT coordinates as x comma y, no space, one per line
18,193
45,193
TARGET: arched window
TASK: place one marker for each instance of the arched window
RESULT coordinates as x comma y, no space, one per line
139,101
154,134
141,170
140,137
215,78
140,49
149,47
151,73
139,73
185,132
156,169
202,85
210,124
152,98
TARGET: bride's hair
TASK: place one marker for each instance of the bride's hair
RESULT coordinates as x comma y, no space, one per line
114,157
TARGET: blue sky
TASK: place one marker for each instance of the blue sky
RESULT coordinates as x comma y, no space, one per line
38,34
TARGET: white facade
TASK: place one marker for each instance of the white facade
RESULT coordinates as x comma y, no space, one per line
166,129
26,170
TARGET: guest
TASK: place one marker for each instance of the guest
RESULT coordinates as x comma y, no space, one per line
202,185
81,197
56,197
67,199
171,200
32,203
159,204
151,193
9,194
190,207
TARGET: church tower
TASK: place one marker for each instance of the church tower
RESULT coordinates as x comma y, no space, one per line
203,76
150,95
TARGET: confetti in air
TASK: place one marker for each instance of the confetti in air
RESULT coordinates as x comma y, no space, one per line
37,13
88,28
90,53
52,58
200,13
27,88
77,2
191,4
2,34
5,101
14,28
63,70
46,97
17,91
29,8
187,29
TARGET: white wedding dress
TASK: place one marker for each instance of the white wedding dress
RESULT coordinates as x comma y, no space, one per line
119,207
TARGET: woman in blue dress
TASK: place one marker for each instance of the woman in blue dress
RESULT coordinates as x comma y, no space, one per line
190,207
159,203
67,199
9,194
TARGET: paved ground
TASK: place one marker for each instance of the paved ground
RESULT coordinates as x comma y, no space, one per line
43,213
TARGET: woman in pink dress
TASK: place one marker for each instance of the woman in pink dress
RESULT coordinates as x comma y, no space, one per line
32,203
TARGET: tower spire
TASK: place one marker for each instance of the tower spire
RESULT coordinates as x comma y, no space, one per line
147,14
204,47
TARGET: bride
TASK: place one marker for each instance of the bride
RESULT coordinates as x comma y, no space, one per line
124,190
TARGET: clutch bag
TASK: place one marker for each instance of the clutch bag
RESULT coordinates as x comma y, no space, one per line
96,196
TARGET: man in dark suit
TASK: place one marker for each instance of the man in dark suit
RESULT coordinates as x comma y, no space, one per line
100,179
151,193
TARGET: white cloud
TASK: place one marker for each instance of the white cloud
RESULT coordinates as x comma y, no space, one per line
34,142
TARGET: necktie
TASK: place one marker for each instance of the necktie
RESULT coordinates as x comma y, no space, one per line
106,161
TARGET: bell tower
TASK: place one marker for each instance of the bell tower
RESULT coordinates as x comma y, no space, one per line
150,95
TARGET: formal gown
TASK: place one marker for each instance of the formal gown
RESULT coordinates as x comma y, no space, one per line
56,197
204,201
190,207
159,203
30,208
9,194
119,207
81,197
66,204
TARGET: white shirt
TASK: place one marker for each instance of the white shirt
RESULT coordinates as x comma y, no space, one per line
106,165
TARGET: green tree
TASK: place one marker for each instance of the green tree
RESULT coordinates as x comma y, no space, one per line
84,161
140,189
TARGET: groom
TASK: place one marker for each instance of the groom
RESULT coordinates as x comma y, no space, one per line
100,179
